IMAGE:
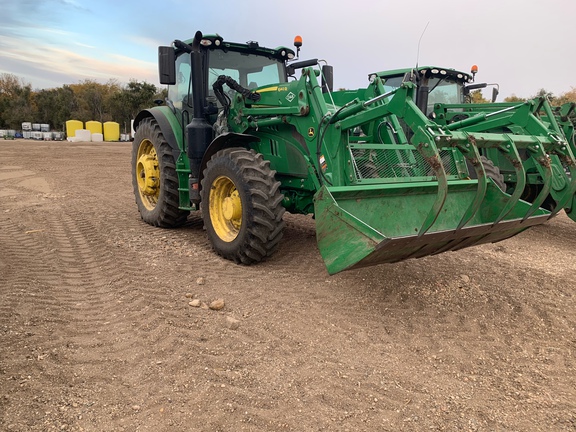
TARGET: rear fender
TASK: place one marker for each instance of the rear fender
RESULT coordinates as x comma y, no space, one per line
169,125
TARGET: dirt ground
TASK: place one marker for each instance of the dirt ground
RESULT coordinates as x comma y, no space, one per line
97,332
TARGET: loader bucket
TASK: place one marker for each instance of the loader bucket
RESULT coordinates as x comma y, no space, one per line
363,226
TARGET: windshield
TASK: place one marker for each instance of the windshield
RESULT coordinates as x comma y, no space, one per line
440,90
249,70
444,90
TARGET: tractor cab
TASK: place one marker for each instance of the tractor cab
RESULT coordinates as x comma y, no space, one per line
435,85
191,67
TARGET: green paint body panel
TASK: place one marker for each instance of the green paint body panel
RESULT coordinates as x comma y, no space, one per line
528,124
366,227
385,182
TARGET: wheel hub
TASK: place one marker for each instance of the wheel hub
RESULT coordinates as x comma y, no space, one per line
232,207
148,175
225,208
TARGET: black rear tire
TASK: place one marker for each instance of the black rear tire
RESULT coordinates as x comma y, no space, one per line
154,177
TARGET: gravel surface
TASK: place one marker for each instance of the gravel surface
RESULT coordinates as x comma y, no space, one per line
108,324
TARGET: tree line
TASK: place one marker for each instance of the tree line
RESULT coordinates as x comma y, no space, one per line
87,100
556,100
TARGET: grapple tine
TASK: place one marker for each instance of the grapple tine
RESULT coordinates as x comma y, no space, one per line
565,202
543,160
510,152
566,157
470,152
430,154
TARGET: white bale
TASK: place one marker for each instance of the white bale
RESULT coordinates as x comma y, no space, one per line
97,137
83,135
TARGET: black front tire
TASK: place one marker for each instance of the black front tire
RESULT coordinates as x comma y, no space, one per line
241,205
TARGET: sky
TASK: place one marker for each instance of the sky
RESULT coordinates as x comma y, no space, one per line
522,45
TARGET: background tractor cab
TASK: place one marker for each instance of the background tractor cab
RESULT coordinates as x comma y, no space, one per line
435,85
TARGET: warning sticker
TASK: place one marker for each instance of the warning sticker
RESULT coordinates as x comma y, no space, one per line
323,164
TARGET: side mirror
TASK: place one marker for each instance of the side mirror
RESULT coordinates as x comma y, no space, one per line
167,65
327,79
291,68
494,94
476,86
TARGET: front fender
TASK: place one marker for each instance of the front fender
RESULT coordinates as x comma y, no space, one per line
169,126
226,140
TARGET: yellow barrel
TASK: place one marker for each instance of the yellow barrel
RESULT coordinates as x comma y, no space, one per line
111,131
72,126
94,127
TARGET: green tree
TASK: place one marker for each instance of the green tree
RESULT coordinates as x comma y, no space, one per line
54,106
92,99
15,101
477,97
514,98
125,104
569,96
565,98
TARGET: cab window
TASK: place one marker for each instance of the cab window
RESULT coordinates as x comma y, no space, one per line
181,93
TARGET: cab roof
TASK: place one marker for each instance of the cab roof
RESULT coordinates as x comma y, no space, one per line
432,70
215,41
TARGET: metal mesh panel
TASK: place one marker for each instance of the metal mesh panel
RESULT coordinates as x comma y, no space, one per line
447,157
396,163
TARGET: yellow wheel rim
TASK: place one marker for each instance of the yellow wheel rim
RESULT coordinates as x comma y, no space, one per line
225,208
148,174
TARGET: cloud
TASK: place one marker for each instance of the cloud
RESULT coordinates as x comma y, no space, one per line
74,4
59,66
83,45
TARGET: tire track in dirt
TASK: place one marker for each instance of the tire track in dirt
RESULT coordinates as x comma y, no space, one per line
98,318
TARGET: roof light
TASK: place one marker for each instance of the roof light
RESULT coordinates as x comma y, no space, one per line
434,71
474,69
217,42
460,76
290,55
298,41
442,72
205,42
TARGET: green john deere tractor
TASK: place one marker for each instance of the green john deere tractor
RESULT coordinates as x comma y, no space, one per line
539,165
243,139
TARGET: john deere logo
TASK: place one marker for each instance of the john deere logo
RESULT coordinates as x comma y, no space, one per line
311,132
290,97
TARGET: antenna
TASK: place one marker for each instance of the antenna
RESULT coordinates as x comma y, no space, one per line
420,40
